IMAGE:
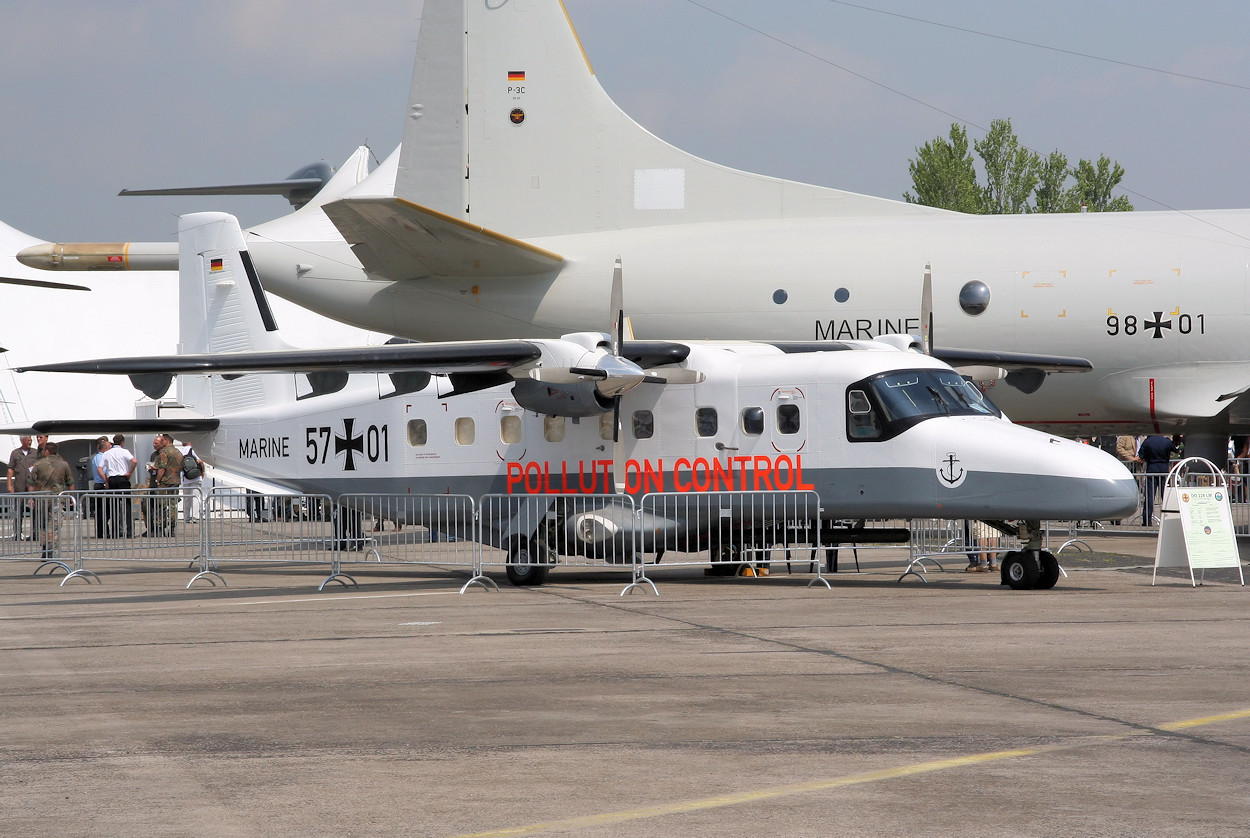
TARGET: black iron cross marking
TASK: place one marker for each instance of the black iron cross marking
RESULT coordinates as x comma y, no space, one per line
350,444
1158,324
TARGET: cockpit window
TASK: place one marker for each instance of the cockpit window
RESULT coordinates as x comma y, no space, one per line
886,405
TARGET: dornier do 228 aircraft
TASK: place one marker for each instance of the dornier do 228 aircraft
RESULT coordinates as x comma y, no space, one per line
871,427
518,182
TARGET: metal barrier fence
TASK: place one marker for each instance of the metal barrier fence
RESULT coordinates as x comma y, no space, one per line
732,532
530,534
428,530
726,532
935,539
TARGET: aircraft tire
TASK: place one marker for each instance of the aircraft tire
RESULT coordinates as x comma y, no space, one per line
1050,572
723,555
521,569
1020,570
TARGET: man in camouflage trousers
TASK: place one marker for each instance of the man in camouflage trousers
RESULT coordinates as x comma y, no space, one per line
53,475
168,462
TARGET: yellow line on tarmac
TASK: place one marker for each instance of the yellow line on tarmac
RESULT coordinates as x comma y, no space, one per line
608,818
1206,720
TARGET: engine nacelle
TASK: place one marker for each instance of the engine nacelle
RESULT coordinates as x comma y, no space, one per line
578,398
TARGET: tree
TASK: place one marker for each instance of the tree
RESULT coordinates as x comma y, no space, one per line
1011,170
1017,180
943,174
1094,182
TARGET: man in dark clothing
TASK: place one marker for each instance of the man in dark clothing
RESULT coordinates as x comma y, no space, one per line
1156,452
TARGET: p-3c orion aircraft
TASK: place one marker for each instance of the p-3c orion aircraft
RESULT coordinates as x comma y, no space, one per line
874,429
519,182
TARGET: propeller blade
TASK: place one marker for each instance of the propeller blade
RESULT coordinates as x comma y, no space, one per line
618,449
926,310
617,307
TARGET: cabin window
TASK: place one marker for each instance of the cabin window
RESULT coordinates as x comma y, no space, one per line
553,428
705,421
644,424
509,429
861,419
787,418
607,425
753,421
465,431
418,433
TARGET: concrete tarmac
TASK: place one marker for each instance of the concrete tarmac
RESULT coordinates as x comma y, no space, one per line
723,707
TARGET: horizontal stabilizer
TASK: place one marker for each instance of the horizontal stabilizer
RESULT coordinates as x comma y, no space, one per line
167,425
300,188
274,187
399,240
434,358
1012,360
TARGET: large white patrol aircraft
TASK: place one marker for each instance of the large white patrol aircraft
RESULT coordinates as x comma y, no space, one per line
873,429
519,182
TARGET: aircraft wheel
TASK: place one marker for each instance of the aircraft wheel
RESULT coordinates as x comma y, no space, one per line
1050,572
1020,570
724,559
523,568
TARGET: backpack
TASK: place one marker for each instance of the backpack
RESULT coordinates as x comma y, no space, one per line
191,465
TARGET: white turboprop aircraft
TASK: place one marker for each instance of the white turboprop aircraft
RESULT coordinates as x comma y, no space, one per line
873,429
519,182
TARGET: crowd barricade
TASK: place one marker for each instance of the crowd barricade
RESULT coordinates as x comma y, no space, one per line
744,533
17,540
434,530
116,525
257,528
934,540
530,534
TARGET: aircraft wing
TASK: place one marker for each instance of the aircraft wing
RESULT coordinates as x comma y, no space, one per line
1011,360
398,240
167,425
436,358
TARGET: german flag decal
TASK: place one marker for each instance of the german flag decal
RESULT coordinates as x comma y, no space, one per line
516,75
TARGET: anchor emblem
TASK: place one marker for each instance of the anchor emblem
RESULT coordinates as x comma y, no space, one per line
949,472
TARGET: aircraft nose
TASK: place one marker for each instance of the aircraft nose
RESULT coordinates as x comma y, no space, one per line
1111,489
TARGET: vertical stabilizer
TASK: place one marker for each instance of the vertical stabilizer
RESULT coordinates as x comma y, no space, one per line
509,129
222,308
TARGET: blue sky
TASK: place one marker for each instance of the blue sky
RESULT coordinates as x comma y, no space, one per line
96,96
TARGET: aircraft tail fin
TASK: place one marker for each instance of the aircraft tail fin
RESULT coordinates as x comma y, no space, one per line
509,129
222,308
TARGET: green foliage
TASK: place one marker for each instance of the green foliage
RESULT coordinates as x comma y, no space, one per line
943,174
1017,180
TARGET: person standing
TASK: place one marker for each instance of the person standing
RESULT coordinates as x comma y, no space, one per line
50,474
118,464
192,487
1156,452
168,462
98,484
20,461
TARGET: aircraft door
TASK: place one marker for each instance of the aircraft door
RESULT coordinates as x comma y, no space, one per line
789,419
510,442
